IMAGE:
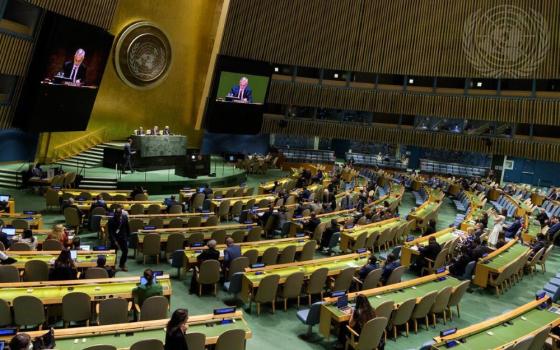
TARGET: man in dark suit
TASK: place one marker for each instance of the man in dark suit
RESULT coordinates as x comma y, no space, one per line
312,223
171,201
512,229
166,131
390,265
140,132
329,232
232,252
128,152
542,217
428,252
538,245
119,230
554,228
242,91
71,204
480,248
75,70
207,254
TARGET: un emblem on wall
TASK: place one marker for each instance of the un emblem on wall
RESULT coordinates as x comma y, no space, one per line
142,55
506,41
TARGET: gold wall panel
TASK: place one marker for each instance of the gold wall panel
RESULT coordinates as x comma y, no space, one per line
416,37
511,147
190,27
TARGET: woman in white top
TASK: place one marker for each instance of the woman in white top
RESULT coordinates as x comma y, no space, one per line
499,220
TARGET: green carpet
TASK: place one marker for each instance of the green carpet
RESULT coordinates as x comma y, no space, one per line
279,331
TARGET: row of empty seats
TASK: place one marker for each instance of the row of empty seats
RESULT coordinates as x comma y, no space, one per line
431,166
504,203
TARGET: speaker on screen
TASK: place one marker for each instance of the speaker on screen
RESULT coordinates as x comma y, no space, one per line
238,95
64,76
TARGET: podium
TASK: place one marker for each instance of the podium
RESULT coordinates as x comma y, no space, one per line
152,152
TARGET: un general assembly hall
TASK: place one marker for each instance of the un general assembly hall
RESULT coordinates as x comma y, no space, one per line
279,174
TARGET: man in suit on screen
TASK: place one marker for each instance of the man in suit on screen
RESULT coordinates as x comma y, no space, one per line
75,70
242,91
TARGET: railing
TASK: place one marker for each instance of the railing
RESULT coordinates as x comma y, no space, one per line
78,145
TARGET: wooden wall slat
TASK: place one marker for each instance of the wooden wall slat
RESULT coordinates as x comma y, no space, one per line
453,142
96,12
14,53
487,108
407,37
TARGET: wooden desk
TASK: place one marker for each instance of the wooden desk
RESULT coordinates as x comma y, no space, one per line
537,199
398,293
269,185
40,235
95,193
52,292
126,205
434,194
11,206
340,215
530,233
410,250
85,258
192,253
187,231
471,217
350,235
525,320
123,336
186,194
165,217
35,220
336,264
217,201
496,261
423,211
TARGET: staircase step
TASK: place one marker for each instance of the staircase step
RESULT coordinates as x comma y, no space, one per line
82,161
73,164
98,187
92,155
99,181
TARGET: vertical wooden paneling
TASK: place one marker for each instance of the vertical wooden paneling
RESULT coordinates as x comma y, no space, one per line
511,147
14,53
416,37
487,108
97,12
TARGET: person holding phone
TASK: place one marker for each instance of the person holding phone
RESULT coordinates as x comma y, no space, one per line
148,288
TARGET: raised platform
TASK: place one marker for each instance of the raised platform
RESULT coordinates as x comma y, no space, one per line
165,181
156,181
